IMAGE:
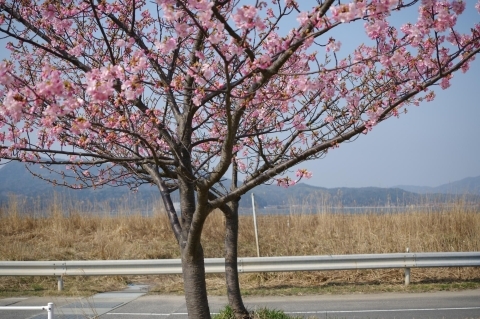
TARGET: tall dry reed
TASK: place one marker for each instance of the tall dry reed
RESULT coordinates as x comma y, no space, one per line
69,234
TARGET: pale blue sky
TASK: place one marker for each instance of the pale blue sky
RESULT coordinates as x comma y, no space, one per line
433,144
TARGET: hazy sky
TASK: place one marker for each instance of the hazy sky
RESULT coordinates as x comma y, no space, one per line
435,143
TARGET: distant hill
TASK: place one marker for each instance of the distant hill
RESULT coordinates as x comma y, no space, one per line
15,180
303,194
469,185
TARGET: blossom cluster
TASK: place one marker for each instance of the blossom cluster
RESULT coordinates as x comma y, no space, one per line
116,80
287,181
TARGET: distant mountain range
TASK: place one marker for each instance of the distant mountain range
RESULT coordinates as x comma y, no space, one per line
15,180
303,194
469,185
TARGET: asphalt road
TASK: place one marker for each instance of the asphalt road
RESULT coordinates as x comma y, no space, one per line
460,304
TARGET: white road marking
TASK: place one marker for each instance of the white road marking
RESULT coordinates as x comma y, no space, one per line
144,314
380,310
305,312
152,314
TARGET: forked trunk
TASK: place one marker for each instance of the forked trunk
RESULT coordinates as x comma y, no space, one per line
193,214
193,263
193,268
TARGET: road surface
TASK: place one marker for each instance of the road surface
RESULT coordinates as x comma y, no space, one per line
133,303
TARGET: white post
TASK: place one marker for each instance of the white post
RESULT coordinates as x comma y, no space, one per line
407,273
60,283
50,310
255,224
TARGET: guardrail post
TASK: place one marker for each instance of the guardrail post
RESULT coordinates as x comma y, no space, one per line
407,272
50,310
60,283
407,276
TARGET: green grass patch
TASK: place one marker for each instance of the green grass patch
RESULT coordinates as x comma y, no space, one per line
263,313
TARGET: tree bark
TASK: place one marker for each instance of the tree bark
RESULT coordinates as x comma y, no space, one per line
193,268
193,215
231,264
230,212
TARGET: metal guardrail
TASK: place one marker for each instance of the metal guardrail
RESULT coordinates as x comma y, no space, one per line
48,308
245,265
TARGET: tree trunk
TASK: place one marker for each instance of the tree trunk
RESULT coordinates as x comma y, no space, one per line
193,215
231,265
193,268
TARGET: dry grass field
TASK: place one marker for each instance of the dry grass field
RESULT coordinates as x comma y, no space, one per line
68,234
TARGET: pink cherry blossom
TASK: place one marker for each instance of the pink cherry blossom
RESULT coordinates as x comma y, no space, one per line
329,119
167,46
120,43
13,105
182,29
246,18
303,173
302,17
333,45
5,74
458,6
445,83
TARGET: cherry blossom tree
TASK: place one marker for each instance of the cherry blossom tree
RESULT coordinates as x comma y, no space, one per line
180,94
